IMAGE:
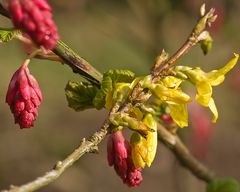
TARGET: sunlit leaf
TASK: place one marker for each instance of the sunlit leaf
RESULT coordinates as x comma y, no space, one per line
120,75
99,99
7,34
80,95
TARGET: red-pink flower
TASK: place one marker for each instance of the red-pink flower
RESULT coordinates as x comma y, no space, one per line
34,17
24,96
202,130
119,156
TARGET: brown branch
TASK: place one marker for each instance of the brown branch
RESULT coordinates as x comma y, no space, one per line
192,40
174,143
86,146
72,59
3,11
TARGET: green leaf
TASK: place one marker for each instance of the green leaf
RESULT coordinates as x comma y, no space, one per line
99,100
112,88
80,95
7,34
224,185
107,84
120,75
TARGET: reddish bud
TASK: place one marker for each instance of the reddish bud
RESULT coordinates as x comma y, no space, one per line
34,17
167,119
24,96
119,156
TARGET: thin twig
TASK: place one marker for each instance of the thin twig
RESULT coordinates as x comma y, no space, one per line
192,40
174,143
70,57
86,146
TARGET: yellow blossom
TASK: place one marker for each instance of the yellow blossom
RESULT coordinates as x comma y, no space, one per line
204,82
144,149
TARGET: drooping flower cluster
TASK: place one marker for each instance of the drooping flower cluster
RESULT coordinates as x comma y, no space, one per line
34,17
24,96
119,156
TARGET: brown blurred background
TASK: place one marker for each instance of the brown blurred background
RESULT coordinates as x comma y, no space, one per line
125,34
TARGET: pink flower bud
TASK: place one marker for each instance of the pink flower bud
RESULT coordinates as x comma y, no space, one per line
24,96
34,17
119,156
167,119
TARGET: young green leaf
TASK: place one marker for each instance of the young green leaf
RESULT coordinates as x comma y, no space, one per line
223,185
7,34
99,99
80,95
120,75
112,88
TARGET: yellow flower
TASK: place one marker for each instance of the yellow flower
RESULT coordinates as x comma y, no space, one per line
167,90
204,82
144,149
179,114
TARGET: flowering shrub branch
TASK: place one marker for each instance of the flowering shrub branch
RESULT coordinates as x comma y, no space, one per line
182,153
126,97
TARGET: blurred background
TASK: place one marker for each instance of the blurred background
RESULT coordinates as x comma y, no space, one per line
126,34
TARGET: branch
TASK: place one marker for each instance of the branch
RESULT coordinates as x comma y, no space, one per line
77,63
3,11
86,146
72,59
174,143
192,40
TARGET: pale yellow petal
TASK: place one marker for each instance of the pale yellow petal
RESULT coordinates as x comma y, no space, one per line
204,93
171,82
151,139
179,114
214,110
212,76
138,150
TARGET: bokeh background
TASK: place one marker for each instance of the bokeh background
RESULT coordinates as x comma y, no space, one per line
126,34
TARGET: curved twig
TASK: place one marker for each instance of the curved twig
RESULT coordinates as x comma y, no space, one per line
86,146
174,143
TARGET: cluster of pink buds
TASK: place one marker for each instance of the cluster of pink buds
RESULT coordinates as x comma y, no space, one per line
24,96
119,156
34,17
